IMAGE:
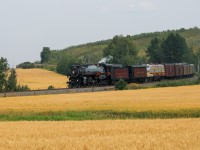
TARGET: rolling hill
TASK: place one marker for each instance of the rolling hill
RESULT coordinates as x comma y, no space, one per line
40,79
141,41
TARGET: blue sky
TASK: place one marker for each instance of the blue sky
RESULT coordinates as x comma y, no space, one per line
28,25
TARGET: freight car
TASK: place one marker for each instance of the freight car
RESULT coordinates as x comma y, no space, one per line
107,74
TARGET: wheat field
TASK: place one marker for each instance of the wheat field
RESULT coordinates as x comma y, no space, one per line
131,100
171,98
40,79
102,135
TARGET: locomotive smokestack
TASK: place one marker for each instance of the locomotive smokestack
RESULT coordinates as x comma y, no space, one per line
106,59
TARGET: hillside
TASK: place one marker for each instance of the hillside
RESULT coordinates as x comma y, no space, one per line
40,79
141,41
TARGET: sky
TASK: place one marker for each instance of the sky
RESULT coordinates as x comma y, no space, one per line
26,26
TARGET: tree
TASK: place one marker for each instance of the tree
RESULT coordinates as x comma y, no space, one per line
154,51
65,63
3,73
90,58
120,48
174,47
45,54
12,81
197,56
9,83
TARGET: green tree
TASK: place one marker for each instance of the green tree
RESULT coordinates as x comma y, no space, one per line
90,58
189,56
174,47
65,63
3,73
12,81
45,54
134,60
154,51
197,58
120,48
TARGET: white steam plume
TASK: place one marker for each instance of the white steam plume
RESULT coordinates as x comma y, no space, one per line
106,59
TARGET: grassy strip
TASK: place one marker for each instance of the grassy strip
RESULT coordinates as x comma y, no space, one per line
170,83
166,83
97,115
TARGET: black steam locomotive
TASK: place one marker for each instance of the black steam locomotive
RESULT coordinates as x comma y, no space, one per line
91,75
107,74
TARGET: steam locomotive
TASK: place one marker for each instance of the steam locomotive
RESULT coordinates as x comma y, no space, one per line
104,74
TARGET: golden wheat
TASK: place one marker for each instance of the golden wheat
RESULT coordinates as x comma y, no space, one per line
172,98
126,134
40,78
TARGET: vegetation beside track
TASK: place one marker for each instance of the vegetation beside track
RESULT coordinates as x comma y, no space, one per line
166,83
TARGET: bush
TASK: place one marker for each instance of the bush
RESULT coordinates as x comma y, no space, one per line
198,79
50,68
26,65
22,88
51,87
121,85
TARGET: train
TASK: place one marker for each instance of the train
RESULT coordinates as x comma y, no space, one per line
104,74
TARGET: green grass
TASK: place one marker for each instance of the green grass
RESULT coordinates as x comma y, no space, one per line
166,83
173,83
98,115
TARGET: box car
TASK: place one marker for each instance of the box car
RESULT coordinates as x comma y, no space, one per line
178,70
138,73
169,70
155,70
186,70
120,73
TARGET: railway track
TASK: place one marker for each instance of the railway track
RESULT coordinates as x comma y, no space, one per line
56,91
